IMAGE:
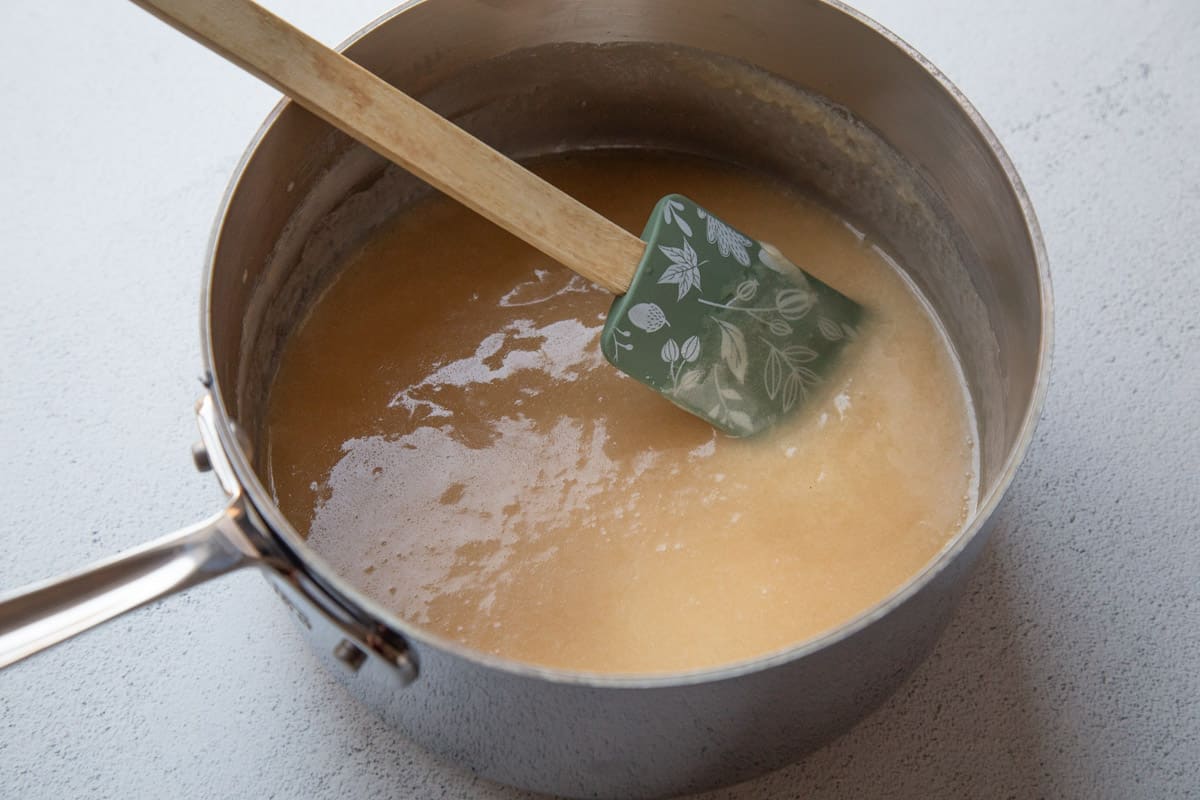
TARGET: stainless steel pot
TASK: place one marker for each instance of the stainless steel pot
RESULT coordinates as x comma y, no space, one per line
807,90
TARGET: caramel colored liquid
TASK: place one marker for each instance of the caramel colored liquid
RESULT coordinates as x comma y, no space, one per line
447,433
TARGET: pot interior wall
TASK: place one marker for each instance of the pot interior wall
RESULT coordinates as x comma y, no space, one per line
309,195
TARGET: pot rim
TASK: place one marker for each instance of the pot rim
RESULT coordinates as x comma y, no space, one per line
373,614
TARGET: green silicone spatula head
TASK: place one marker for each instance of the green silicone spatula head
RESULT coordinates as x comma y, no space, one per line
722,325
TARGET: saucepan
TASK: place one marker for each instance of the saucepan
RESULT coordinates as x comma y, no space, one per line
808,91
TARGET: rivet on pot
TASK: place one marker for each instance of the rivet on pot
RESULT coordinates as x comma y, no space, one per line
349,654
200,457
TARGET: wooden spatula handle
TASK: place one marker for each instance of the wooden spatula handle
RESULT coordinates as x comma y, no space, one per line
393,124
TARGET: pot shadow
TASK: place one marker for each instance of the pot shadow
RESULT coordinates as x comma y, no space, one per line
965,724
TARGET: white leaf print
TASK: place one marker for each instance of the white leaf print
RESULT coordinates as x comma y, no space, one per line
671,214
741,418
733,349
794,303
684,271
670,351
727,240
771,258
730,394
746,290
773,374
799,354
793,389
679,254
780,328
648,316
682,275
690,349
851,331
690,380
829,329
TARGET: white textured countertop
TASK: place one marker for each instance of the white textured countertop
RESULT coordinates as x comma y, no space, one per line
1071,671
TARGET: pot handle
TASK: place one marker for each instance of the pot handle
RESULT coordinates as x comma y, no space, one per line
41,615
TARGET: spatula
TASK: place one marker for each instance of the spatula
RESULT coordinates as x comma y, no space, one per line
720,324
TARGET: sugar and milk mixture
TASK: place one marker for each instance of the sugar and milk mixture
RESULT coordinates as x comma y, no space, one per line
446,431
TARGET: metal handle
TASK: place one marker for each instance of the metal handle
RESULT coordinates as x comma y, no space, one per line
44,614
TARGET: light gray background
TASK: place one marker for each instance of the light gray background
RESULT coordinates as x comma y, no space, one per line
1073,668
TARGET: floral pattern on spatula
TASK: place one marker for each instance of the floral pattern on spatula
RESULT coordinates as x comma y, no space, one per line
724,326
